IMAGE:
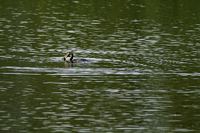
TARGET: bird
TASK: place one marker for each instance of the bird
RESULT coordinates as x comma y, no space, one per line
69,58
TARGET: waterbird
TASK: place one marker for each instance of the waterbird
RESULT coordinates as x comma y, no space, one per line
69,57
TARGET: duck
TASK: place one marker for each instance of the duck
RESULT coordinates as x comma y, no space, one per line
69,58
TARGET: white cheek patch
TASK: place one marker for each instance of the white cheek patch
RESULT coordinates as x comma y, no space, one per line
67,58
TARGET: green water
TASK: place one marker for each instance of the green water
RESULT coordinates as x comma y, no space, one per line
142,74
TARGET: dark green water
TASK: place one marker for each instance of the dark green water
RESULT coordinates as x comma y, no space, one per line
143,74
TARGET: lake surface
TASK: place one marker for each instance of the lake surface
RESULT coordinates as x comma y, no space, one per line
142,74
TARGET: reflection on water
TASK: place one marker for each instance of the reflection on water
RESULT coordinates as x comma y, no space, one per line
142,73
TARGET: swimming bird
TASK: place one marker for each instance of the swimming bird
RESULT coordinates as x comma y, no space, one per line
69,57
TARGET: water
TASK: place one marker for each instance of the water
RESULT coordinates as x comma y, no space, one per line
142,76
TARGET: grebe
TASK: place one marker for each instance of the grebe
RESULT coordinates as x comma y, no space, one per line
68,57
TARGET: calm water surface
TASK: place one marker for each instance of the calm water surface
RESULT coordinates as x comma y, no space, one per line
143,73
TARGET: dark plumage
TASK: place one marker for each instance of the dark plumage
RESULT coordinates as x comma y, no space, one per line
69,57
